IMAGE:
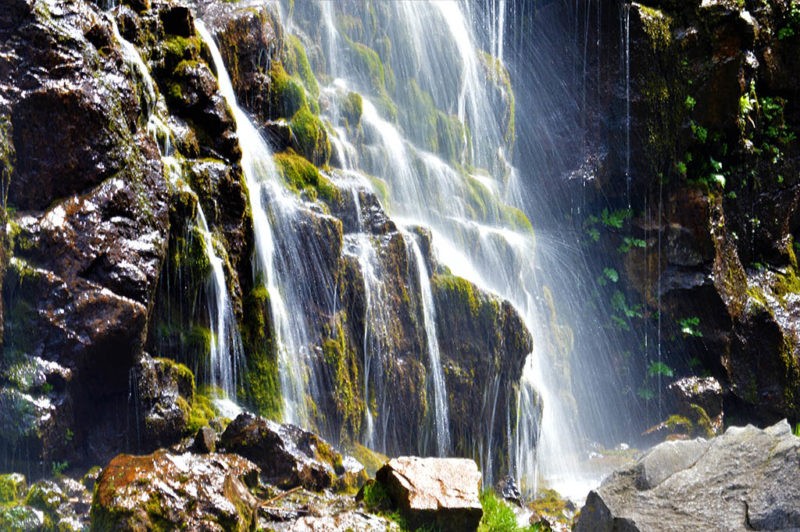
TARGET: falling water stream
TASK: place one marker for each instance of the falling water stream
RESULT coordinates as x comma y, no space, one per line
225,349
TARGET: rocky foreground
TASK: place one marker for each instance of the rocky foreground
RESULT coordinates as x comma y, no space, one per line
745,479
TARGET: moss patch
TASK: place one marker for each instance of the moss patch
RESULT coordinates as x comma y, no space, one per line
302,176
311,136
297,63
286,93
261,387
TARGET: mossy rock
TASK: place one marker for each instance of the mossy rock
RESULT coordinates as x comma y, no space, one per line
297,64
310,138
12,487
260,388
21,519
352,109
302,176
286,93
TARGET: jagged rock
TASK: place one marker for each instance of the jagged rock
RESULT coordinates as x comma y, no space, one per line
205,441
690,393
287,455
208,492
164,391
747,478
89,238
507,488
435,491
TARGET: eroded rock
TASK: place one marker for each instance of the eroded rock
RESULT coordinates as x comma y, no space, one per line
287,455
747,478
208,492
438,491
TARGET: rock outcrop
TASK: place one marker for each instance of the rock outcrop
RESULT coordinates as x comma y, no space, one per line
288,455
164,490
745,479
440,492
89,234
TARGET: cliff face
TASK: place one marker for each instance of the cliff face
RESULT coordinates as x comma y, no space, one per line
693,202
113,143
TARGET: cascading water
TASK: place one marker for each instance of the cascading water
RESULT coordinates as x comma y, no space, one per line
225,349
287,264
441,416
462,204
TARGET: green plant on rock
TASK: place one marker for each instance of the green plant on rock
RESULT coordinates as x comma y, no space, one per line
261,383
311,136
302,176
690,326
286,93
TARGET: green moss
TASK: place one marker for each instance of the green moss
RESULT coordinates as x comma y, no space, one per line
202,410
311,137
343,364
12,487
500,78
302,176
460,289
286,93
178,49
657,27
260,387
371,460
352,108
517,219
366,60
297,64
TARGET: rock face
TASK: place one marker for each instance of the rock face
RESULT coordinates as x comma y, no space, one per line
89,235
442,492
287,455
745,479
163,490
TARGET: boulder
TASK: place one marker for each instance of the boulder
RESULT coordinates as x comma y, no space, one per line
287,455
164,390
438,491
747,478
167,491
694,396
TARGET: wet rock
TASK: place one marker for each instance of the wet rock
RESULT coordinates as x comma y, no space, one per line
507,488
287,455
250,38
205,441
746,478
483,343
165,391
89,236
690,393
191,491
442,492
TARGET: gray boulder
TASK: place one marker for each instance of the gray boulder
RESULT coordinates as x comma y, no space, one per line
745,479
438,491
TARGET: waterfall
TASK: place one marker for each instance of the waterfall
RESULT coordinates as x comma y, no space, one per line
460,195
626,46
225,349
441,416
